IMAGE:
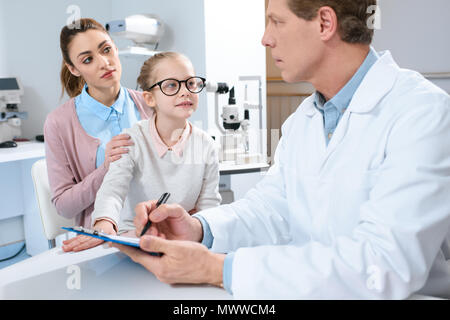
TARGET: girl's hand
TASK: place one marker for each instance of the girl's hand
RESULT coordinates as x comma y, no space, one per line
82,242
116,147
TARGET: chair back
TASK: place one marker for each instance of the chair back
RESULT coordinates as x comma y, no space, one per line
51,220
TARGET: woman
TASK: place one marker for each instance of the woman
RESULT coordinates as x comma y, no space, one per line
83,135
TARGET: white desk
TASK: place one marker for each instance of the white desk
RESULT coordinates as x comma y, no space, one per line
227,169
24,151
17,193
245,176
104,273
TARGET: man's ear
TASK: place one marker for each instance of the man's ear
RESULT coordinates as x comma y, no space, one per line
73,70
149,98
328,23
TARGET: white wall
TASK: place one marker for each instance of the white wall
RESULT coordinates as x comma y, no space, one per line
234,29
185,33
219,49
31,30
416,33
414,30
29,49
3,65
29,39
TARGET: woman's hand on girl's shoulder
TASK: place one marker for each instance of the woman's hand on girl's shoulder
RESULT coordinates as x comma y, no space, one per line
116,147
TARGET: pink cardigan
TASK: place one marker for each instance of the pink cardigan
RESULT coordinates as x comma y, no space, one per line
71,156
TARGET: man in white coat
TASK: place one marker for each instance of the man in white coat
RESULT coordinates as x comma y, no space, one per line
357,202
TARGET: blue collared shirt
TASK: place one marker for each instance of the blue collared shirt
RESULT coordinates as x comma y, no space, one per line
104,123
332,111
208,241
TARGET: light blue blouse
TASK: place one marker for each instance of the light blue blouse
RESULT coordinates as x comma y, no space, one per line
102,122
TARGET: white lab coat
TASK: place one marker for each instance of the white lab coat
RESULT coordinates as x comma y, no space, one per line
366,217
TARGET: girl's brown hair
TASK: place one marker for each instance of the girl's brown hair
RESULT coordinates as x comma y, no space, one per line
71,84
147,77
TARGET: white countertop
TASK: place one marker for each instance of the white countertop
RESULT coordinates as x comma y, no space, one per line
224,167
24,150
104,273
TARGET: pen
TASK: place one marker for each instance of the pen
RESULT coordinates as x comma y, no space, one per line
161,200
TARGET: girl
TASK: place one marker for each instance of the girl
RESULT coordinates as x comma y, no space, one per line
169,153
82,136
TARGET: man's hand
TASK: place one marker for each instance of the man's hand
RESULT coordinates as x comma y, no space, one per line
83,242
181,262
169,221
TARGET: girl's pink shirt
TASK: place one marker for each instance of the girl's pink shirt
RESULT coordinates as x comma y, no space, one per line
161,147
71,155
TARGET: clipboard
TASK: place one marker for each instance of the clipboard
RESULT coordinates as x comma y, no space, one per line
128,241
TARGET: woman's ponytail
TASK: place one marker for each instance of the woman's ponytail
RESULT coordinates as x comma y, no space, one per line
71,84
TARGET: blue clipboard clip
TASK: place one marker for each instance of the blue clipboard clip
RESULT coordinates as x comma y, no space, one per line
133,242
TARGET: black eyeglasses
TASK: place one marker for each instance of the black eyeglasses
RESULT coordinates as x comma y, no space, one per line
171,87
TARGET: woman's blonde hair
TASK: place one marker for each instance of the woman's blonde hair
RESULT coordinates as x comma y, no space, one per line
147,77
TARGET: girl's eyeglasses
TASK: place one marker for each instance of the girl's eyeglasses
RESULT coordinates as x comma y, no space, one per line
171,87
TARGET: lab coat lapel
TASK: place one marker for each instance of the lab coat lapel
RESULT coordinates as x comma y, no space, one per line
319,143
338,135
378,82
315,144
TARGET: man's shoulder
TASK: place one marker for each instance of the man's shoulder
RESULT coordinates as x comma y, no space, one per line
413,108
416,84
413,91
